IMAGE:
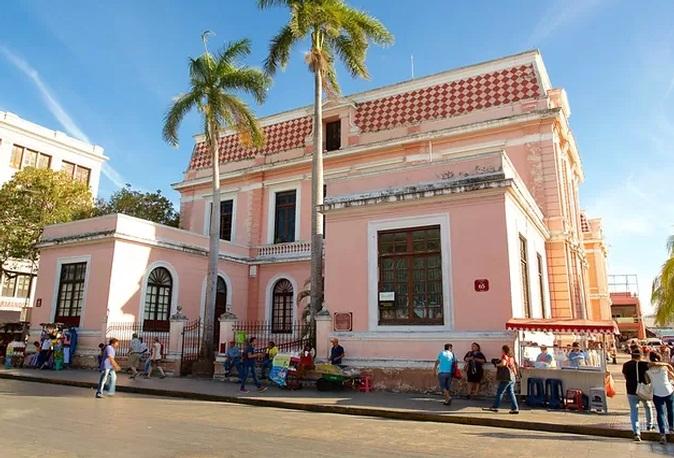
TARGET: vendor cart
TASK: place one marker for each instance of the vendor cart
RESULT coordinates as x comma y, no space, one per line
580,382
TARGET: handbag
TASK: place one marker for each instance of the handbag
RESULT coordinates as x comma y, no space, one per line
503,374
644,390
456,373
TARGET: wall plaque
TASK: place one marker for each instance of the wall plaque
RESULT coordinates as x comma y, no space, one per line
343,322
481,285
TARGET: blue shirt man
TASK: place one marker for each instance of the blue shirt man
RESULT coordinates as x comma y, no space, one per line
444,366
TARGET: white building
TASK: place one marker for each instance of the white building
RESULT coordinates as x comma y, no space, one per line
25,144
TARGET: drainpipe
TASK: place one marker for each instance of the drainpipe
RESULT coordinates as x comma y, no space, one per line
430,151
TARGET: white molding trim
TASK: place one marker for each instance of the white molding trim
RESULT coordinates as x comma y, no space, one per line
373,228
271,207
57,283
268,294
422,336
228,302
233,196
174,289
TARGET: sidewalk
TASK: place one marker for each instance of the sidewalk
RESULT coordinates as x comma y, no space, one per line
401,406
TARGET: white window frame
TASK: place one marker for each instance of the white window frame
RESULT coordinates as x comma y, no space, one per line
207,214
57,283
271,208
174,289
269,296
373,228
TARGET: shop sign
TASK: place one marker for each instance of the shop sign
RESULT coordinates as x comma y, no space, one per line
343,322
387,296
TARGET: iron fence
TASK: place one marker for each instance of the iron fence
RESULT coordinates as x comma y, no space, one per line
292,339
124,332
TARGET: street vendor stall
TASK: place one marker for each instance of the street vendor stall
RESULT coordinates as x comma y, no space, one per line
563,362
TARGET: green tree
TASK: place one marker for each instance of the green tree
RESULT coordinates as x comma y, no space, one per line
333,29
33,199
214,82
152,206
662,295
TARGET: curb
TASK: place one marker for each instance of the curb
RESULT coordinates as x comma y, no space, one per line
357,411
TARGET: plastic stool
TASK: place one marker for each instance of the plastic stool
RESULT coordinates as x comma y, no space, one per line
535,392
364,383
573,400
598,399
554,393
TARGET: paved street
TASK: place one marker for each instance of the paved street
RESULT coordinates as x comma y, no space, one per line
38,419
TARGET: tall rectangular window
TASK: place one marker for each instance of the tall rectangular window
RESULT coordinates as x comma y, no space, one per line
71,294
525,277
410,276
541,289
82,174
226,207
8,284
16,157
284,217
333,135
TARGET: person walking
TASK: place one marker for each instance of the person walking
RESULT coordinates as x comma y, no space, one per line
249,358
660,376
474,372
443,368
506,374
108,369
155,358
134,355
634,372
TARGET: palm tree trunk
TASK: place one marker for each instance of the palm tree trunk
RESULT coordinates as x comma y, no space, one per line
207,346
316,200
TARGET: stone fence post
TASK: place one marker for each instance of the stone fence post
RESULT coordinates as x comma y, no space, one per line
227,321
175,346
323,331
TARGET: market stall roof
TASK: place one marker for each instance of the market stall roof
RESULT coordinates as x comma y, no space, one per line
563,325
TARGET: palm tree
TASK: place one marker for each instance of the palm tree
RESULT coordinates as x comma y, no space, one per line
662,295
214,83
334,29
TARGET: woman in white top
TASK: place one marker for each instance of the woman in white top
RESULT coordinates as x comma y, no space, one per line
155,357
659,375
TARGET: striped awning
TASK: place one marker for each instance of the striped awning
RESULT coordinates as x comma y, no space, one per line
568,326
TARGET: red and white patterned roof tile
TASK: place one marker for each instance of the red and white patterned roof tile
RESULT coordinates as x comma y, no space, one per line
281,136
443,100
449,99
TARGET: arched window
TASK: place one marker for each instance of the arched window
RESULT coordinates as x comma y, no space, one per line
158,300
282,307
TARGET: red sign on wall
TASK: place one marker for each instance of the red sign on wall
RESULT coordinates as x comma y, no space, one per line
343,322
481,285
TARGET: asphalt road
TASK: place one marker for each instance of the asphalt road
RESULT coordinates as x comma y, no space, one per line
38,420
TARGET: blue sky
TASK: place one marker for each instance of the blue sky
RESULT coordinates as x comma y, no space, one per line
106,72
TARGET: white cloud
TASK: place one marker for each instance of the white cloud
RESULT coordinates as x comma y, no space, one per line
560,14
57,110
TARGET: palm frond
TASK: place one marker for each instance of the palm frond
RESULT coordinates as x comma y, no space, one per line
243,119
262,4
662,295
233,51
174,116
352,55
369,25
249,80
279,50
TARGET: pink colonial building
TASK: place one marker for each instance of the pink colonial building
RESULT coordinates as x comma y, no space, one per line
451,206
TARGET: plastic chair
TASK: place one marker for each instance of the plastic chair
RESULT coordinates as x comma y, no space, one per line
535,392
598,399
573,400
554,393
364,383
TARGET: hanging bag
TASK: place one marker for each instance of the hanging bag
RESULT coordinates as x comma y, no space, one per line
644,390
456,373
